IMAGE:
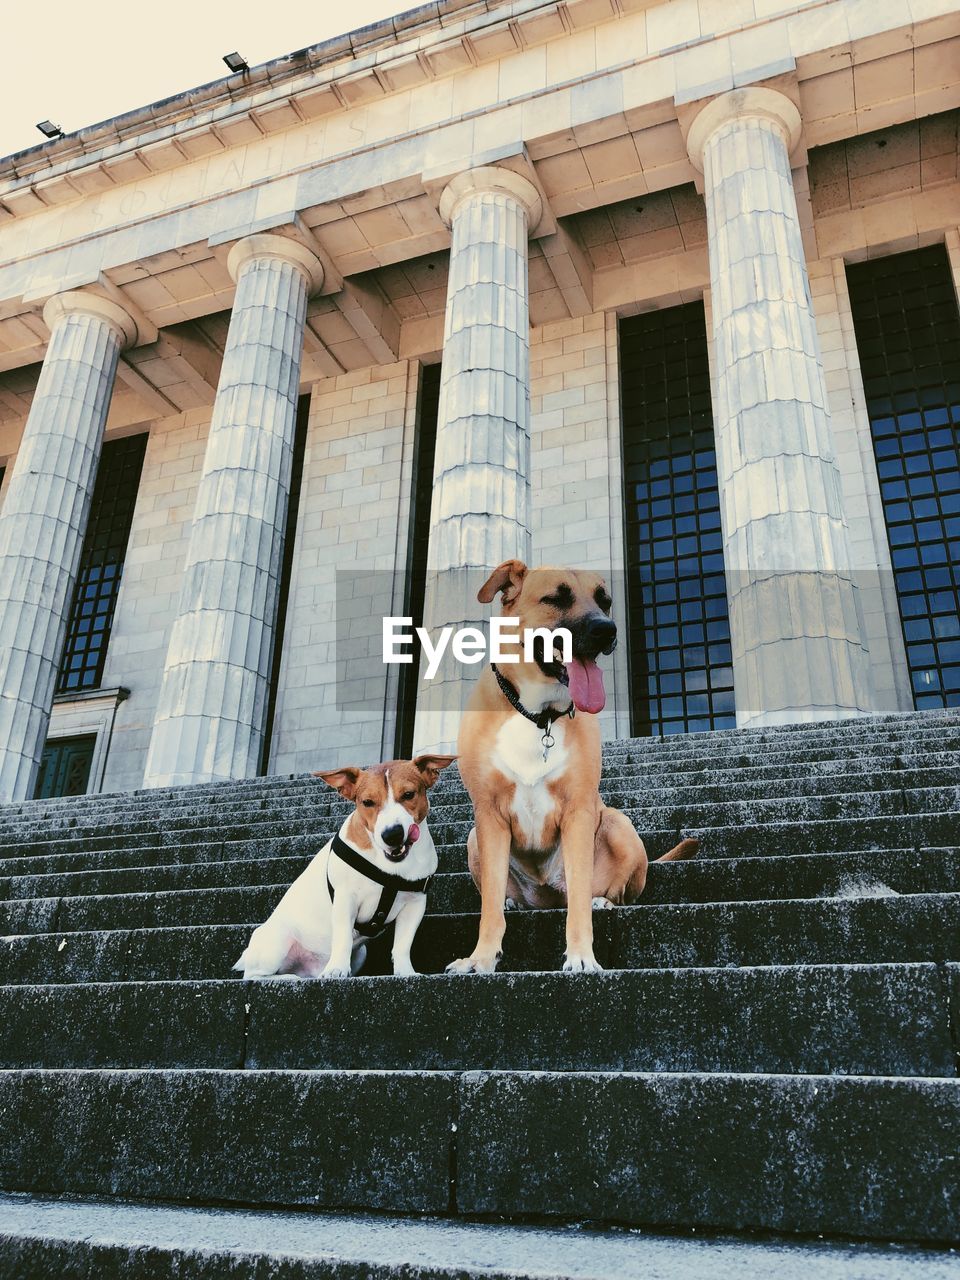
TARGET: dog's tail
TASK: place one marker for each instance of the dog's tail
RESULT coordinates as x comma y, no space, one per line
685,849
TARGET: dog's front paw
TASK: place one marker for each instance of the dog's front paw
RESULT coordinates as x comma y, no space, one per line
476,963
603,904
574,963
403,969
332,970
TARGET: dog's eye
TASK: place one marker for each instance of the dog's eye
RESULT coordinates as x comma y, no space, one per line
368,804
408,795
561,598
603,600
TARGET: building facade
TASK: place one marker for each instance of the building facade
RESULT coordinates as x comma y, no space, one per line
669,290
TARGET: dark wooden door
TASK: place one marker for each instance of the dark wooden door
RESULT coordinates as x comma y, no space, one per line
65,767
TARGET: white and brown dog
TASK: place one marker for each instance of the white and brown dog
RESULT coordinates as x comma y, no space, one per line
373,872
529,753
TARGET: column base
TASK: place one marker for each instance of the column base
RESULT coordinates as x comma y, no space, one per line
796,715
193,750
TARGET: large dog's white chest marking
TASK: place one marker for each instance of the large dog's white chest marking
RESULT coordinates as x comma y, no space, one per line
518,754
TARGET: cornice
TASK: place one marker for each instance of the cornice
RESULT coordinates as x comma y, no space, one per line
411,48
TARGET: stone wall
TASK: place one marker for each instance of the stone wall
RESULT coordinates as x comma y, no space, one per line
359,450
150,590
576,477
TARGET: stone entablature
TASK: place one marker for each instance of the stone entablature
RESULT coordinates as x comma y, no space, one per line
591,115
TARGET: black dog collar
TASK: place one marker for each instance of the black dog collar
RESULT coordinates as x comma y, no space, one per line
544,720
392,885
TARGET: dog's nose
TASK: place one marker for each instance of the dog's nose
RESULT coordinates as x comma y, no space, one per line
393,836
601,633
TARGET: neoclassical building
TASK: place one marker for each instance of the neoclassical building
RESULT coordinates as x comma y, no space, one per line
666,289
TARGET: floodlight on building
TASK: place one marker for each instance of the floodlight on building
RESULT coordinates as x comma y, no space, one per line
49,129
236,62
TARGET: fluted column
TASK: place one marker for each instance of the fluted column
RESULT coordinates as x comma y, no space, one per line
44,518
480,514
213,698
798,652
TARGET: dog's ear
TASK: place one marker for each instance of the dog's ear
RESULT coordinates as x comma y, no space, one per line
430,766
343,780
507,579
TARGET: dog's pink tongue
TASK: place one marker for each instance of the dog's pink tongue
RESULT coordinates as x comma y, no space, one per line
413,833
586,685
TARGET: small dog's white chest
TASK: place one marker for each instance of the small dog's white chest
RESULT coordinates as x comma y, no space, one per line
518,754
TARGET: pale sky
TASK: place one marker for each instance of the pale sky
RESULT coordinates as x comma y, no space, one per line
77,62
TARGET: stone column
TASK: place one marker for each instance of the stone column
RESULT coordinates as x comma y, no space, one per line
44,518
798,652
480,514
213,698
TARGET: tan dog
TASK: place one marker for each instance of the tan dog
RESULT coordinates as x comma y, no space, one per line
543,837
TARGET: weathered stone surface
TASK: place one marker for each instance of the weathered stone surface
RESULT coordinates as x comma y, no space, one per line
879,742
211,712
798,649
762,956
93,895
123,1024
44,518
480,513
123,954
824,875
269,1137
883,1020
784,1153
622,786
856,930
875,1020
165,1242
169,877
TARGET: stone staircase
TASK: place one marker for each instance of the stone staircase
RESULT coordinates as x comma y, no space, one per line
773,1048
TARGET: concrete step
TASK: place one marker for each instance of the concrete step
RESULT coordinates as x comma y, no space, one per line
921,748
628,788
905,831
158,909
857,874
888,1019
758,814
707,880
79,1241
913,751
736,744
866,930
938,730
730,829
870,1156
121,857
773,1045
623,790
165,876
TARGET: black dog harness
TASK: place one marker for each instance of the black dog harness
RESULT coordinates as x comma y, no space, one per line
544,721
392,885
